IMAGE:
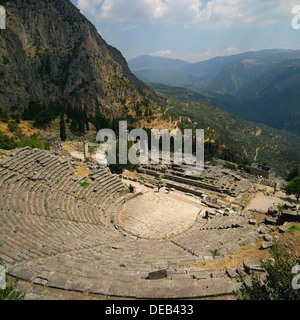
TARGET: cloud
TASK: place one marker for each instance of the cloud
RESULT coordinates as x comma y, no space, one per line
208,14
164,53
231,50
89,6
209,53
129,27
125,11
204,55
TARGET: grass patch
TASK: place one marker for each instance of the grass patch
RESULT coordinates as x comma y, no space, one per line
46,204
293,228
84,184
280,207
10,293
122,265
215,253
83,198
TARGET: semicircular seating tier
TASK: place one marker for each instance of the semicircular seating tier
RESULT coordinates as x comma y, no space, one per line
56,230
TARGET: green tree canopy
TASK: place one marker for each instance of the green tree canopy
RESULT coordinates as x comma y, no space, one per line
293,188
294,173
7,143
278,282
74,126
63,132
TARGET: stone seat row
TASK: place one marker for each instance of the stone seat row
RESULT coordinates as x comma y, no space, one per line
38,199
26,236
202,242
70,184
125,283
111,260
220,221
28,161
52,204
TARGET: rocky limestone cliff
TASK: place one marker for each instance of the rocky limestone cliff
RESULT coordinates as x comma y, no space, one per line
50,51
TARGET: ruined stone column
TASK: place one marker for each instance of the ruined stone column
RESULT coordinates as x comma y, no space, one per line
139,145
86,149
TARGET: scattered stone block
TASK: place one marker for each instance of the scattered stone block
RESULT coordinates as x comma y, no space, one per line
234,247
272,228
252,222
217,258
267,237
271,221
40,281
273,211
266,245
241,272
206,258
156,275
231,272
251,266
291,216
263,229
283,229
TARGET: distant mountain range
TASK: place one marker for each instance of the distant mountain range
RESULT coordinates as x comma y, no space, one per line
259,86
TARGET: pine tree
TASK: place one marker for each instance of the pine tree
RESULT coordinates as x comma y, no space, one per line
81,126
86,119
74,126
63,132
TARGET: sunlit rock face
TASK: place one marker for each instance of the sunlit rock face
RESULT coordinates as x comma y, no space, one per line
50,51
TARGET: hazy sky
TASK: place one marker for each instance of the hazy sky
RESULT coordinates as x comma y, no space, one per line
193,30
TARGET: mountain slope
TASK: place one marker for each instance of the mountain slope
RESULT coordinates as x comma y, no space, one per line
162,70
197,75
258,86
231,137
50,51
240,73
274,96
268,94
234,138
149,62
